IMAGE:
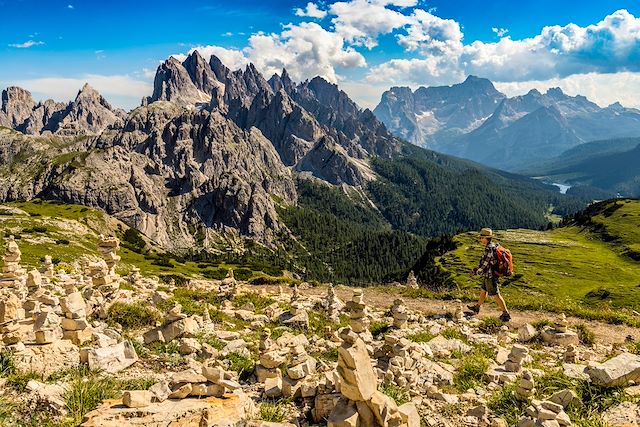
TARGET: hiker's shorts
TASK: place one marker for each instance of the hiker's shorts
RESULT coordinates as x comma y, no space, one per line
490,286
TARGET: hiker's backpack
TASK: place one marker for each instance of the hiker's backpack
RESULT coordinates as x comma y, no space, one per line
504,266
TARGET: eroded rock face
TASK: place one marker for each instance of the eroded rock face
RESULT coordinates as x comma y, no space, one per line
89,113
17,105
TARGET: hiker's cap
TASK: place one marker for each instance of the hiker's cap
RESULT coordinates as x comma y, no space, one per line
486,232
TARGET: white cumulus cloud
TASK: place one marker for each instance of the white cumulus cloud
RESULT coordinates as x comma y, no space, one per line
312,11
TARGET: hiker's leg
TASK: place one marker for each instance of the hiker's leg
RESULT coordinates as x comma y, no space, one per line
483,297
500,302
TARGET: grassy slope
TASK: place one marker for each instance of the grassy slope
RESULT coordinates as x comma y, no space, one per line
80,225
571,267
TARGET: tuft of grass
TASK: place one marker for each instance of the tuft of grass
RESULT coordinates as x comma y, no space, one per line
275,411
7,364
490,325
259,302
133,315
453,333
393,391
379,328
87,393
586,336
471,369
241,364
505,404
541,324
421,337
18,380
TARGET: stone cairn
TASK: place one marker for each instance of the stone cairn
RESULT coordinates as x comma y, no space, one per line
75,325
358,318
270,359
412,282
333,305
229,286
47,268
12,272
400,314
103,273
361,404
516,356
571,354
209,382
545,413
526,386
560,334
300,363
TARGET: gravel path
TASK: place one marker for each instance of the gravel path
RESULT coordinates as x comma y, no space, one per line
605,333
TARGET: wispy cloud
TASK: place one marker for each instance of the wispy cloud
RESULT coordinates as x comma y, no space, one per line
27,44
311,11
70,6
500,32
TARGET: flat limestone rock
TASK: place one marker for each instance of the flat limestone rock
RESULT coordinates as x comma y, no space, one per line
207,412
48,358
615,372
553,337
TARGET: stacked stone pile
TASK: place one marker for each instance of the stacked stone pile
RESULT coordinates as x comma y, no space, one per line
560,334
333,305
526,386
361,404
412,282
545,413
400,314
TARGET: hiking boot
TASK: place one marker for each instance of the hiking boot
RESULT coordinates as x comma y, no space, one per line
505,317
474,307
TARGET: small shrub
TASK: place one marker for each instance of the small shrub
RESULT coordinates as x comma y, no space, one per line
39,229
18,380
259,302
275,412
62,242
214,273
242,273
241,364
541,324
126,286
133,315
378,328
421,337
453,333
136,383
132,238
490,325
394,392
7,364
586,336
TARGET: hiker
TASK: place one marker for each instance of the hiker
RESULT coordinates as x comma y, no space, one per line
486,269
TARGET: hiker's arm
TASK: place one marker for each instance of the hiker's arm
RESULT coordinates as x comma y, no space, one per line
485,263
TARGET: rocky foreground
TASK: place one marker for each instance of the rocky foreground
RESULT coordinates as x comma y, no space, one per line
82,345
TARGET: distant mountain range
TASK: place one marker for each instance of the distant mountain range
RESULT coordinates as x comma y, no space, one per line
475,121
222,160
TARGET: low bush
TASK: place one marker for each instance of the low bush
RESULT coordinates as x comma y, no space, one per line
133,315
7,364
85,394
490,325
393,391
586,336
379,328
241,364
275,412
421,337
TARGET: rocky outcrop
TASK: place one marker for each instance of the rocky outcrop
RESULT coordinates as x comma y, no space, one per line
89,113
173,83
17,105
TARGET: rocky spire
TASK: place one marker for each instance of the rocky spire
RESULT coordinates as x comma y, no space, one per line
173,83
89,113
17,104
202,75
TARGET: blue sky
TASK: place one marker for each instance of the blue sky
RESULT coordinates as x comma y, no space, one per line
366,46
